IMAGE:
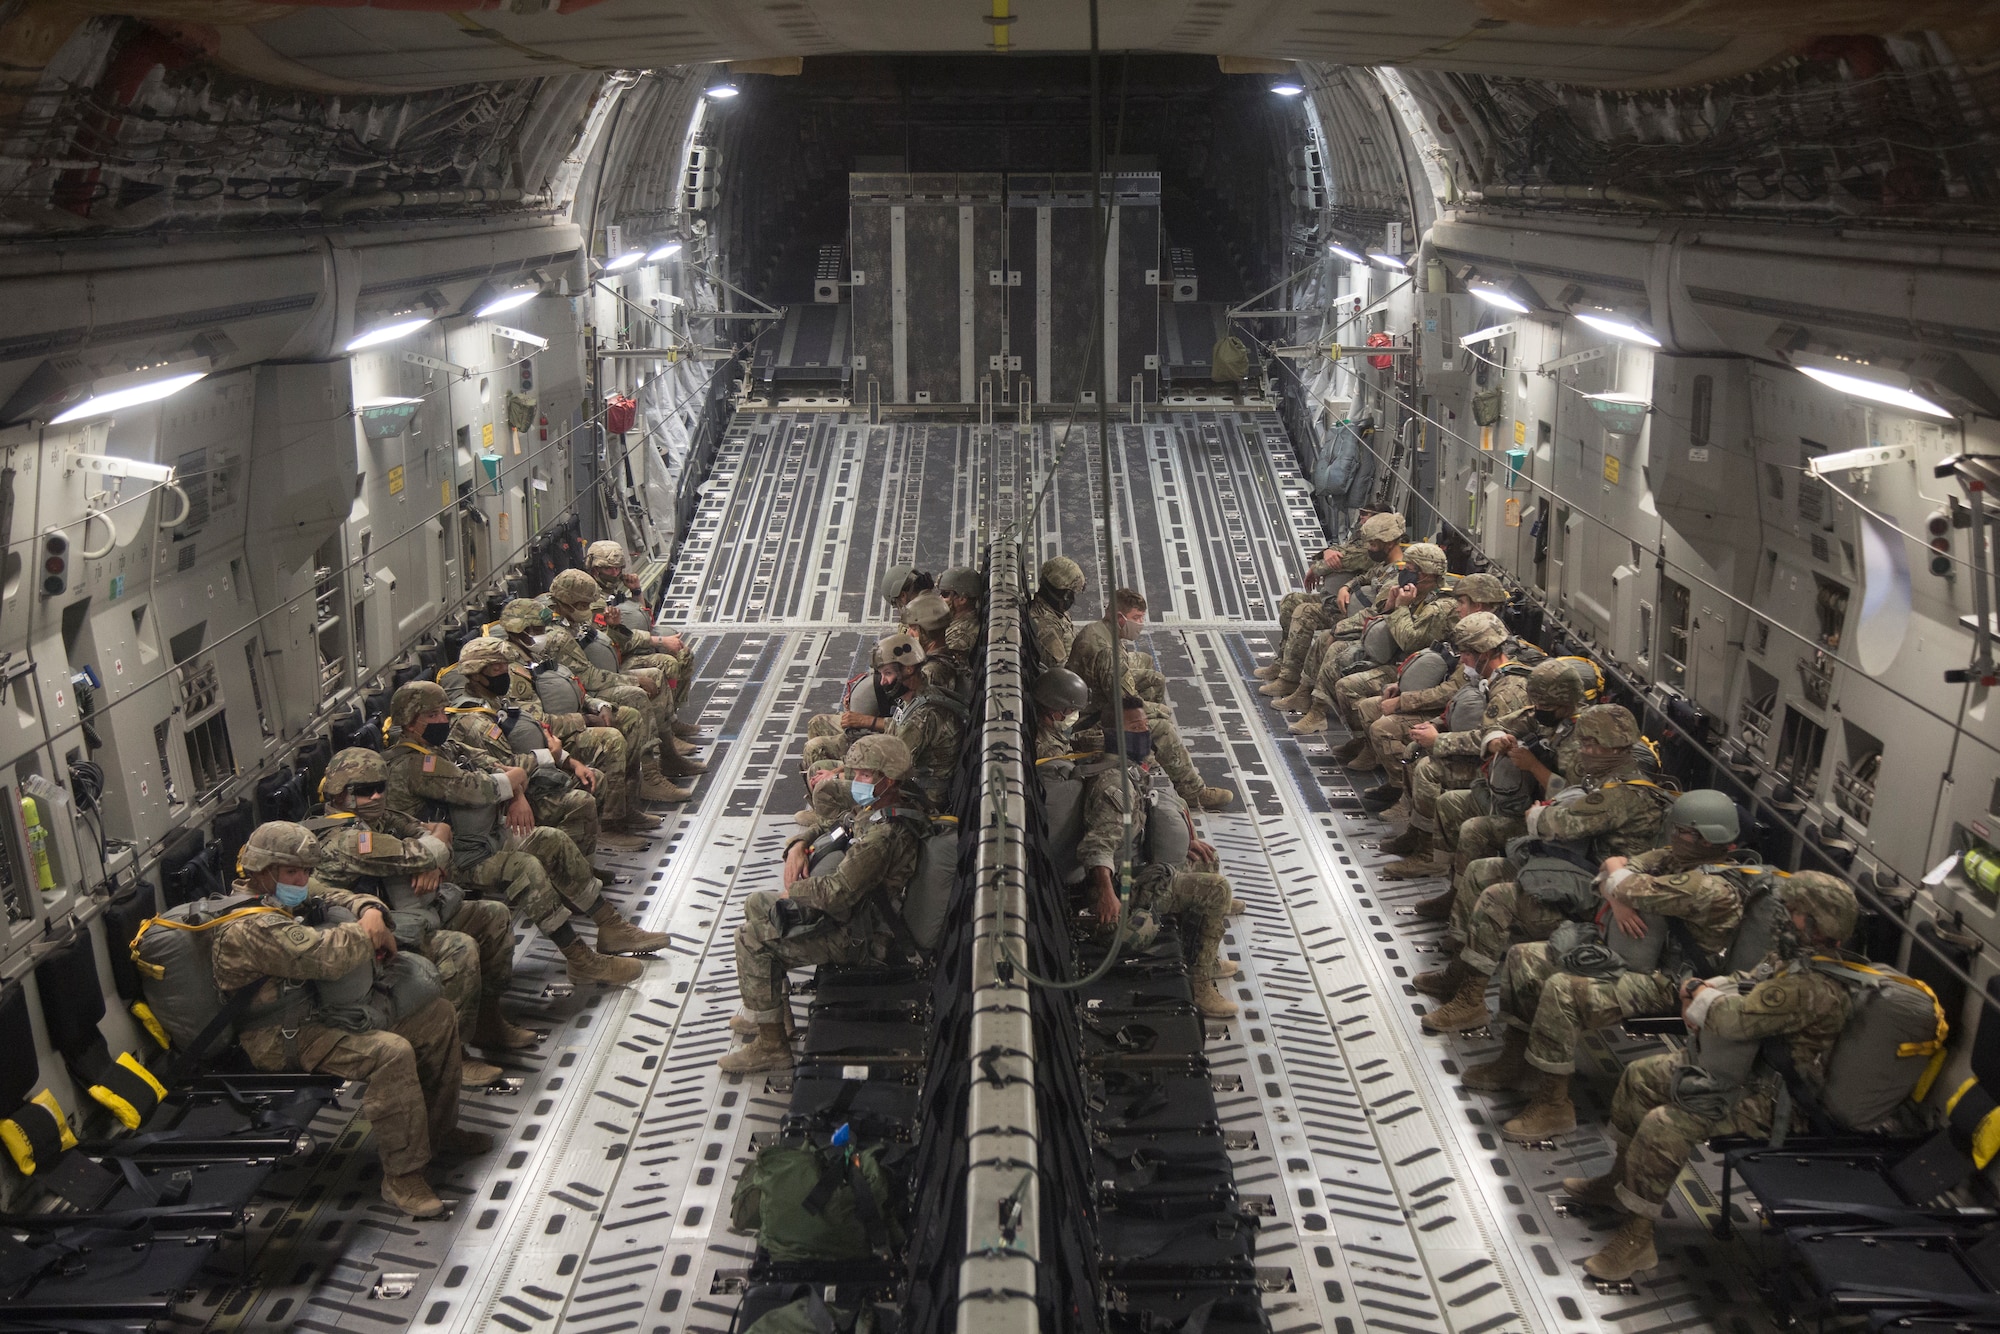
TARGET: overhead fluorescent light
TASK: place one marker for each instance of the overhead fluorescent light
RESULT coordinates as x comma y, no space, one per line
1388,261
114,393
1875,391
619,263
723,90
400,327
1617,327
506,301
1350,256
1495,296
1847,460
1287,89
667,251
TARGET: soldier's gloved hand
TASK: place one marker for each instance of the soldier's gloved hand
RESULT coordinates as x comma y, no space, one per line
520,816
795,864
426,882
379,934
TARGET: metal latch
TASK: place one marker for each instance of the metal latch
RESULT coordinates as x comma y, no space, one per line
394,1287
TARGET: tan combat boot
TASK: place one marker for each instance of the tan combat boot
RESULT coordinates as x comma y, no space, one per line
1301,700
1600,1192
462,1143
412,1194
770,1051
585,964
1465,1010
1214,798
1212,1003
613,841
1225,968
1268,672
474,1073
1551,1113
1313,723
1237,907
656,786
1397,810
682,746
634,822
1352,747
687,731
1408,843
1510,1069
1422,866
676,765
1279,686
615,935
1440,983
1629,1251
1365,760
495,1033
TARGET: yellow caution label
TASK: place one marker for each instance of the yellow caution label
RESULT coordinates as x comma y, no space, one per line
444,495
1520,432
396,480
486,435
1611,468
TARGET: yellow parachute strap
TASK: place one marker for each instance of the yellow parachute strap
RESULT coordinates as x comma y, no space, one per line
121,1107
151,1023
417,746
1985,1135
153,970
1933,1048
15,1138
1650,745
1073,755
944,819
1597,692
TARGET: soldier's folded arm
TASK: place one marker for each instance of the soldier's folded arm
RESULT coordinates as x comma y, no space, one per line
294,950
459,787
1775,1008
861,871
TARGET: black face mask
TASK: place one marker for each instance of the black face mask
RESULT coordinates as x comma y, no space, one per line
1551,717
1408,578
436,734
1059,598
1138,746
496,681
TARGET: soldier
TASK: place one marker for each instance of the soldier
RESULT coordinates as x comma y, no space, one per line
411,1070
1666,1106
496,705
1546,1009
1610,810
827,797
1192,889
927,618
929,721
1475,594
1421,613
1305,648
1060,697
1394,718
1330,568
631,631
367,848
569,640
899,583
1450,749
1091,656
842,917
490,818
964,591
1048,611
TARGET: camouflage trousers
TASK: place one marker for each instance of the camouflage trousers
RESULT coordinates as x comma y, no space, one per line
1469,826
1169,752
1288,604
1346,692
1203,896
644,727
1433,776
573,812
474,957
1556,1008
411,1072
826,745
1660,1136
604,749
1389,741
538,879
1491,912
765,952
1308,620
676,669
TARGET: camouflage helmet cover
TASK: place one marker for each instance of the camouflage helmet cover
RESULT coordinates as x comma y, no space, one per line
1608,725
1483,589
351,766
573,588
927,612
1827,902
1426,556
413,699
1481,632
479,654
279,843
523,614
604,555
1383,528
884,755
1062,572
962,582
1553,685
897,649
1059,690
1709,813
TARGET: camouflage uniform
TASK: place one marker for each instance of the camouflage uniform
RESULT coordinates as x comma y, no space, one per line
475,730
846,925
1659,1134
411,1070
1416,626
473,951
1202,895
1453,762
1616,815
560,644
537,877
1473,822
1555,1008
961,637
1054,632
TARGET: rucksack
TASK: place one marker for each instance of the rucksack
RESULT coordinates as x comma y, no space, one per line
821,1202
1230,361
927,898
1427,668
174,954
1588,674
1062,802
808,1313
1889,1051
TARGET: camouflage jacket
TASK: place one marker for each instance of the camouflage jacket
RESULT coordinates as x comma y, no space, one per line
1424,622
1506,700
388,845
962,635
1090,657
881,859
1617,815
1104,813
1806,1008
1521,725
560,644
1054,632
278,947
931,723
1710,906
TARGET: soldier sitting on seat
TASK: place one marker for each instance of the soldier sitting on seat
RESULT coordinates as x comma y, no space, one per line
1420,613
844,916
1667,1105
1610,810
964,591
927,618
497,849
411,1067
929,721
630,630
1679,894
1302,658
367,848
899,583
573,640
1048,611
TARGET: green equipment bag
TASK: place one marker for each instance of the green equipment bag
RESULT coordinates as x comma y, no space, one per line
821,1202
1555,873
1230,362
807,1312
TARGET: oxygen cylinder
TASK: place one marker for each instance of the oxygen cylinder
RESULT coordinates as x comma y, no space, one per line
1982,868
38,840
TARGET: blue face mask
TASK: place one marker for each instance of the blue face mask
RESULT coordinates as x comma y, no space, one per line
863,792
289,896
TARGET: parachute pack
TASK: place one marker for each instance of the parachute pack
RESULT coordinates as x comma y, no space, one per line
174,953
821,1202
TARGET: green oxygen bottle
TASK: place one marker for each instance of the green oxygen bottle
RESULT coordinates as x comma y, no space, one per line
38,840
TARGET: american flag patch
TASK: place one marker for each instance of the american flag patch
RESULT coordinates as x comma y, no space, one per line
367,844
430,764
